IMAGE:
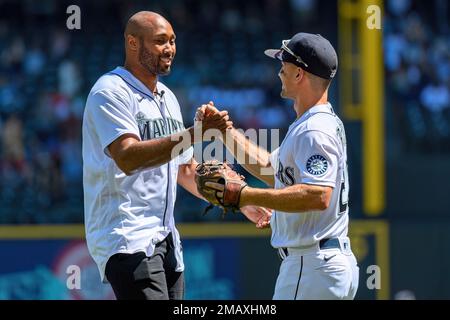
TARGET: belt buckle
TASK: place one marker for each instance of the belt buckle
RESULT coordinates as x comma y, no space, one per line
345,245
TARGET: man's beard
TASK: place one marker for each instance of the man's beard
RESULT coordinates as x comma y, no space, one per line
152,63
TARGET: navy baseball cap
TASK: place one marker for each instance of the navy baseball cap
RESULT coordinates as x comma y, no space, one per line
311,52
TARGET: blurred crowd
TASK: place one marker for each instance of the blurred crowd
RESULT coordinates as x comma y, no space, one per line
46,72
417,59
41,107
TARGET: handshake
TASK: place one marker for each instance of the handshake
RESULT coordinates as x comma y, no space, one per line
208,117
217,182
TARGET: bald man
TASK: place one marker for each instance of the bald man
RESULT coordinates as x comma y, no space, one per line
131,124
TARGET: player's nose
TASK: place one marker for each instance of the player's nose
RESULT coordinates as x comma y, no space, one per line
169,49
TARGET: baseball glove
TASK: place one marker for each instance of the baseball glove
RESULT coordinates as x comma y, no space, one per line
229,185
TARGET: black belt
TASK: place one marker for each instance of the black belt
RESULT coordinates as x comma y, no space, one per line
332,243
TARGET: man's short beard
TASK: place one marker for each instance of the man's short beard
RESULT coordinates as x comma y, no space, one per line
151,62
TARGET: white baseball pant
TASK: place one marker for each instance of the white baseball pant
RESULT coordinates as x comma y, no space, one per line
318,274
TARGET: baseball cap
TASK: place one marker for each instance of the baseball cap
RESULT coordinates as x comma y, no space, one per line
311,52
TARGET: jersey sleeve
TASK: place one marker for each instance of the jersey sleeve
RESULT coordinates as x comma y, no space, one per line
317,158
111,116
274,158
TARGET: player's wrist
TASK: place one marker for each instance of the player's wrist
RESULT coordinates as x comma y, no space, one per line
195,134
227,134
245,196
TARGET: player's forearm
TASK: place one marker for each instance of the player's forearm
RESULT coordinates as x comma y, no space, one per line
297,198
253,158
153,153
186,179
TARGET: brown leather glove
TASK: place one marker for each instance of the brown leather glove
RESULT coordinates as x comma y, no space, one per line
224,178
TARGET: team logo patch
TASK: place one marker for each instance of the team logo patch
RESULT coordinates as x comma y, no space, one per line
317,165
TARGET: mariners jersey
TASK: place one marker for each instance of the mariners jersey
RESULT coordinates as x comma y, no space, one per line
133,213
313,152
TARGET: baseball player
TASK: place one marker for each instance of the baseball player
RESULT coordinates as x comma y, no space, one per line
131,124
310,180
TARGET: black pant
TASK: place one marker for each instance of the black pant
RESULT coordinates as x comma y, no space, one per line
138,277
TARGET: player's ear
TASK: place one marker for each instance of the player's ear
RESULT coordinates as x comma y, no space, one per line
299,75
132,42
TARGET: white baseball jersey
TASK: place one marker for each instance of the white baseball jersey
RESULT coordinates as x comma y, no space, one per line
313,152
128,214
